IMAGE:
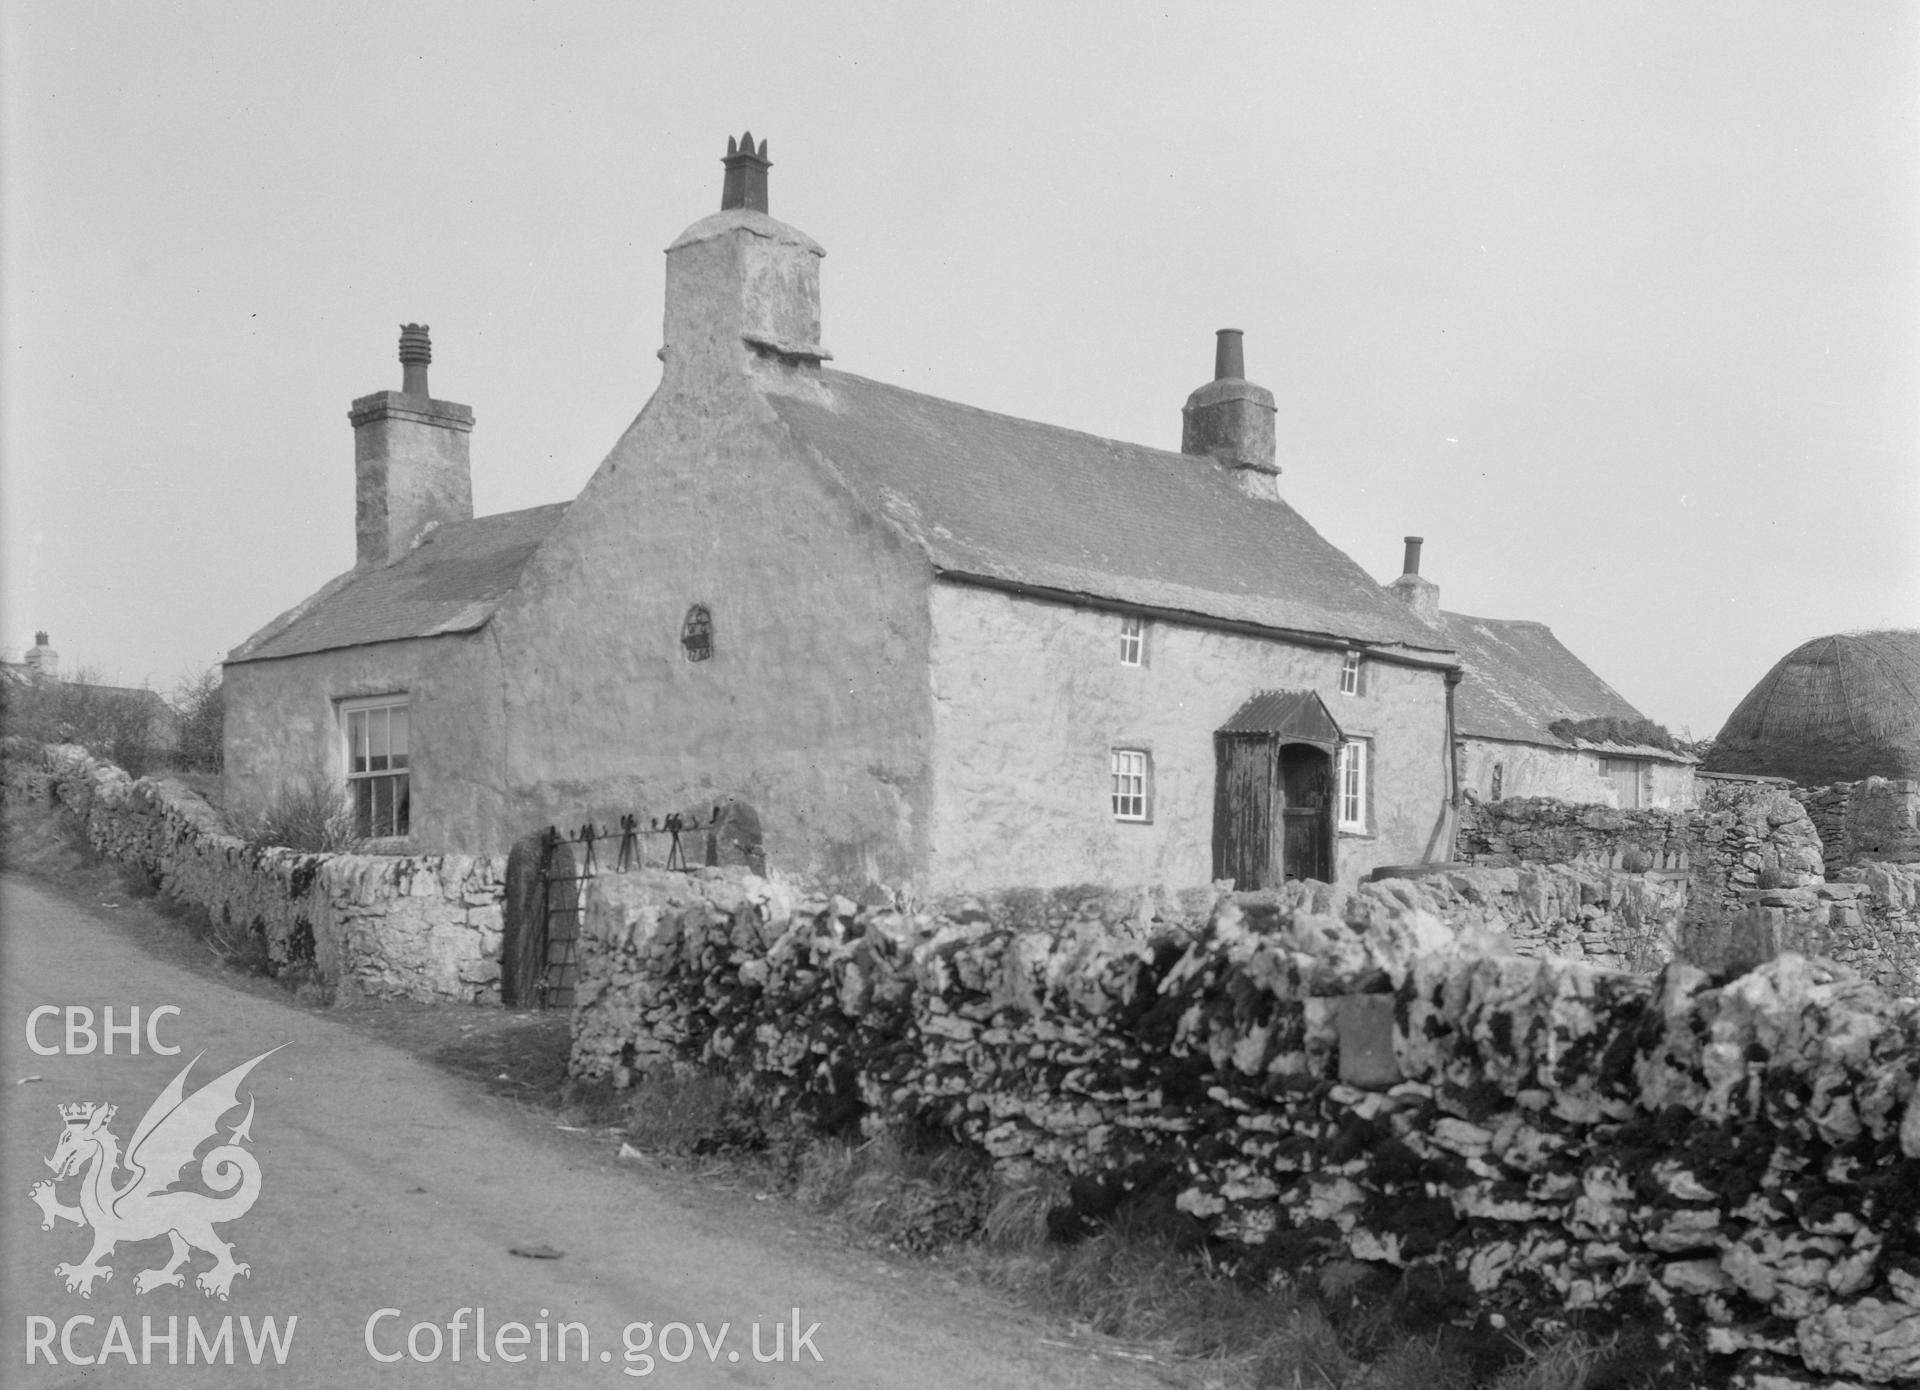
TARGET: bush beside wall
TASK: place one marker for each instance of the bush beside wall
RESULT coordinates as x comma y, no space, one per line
1739,1162
425,927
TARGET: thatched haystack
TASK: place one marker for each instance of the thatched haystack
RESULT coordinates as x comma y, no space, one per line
1836,709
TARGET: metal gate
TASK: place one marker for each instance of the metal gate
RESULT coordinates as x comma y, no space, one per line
546,958
565,862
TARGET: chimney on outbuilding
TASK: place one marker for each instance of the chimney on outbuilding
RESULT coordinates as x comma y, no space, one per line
1230,420
43,660
1421,595
742,288
410,465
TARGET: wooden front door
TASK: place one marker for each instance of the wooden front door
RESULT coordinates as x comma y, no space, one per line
1245,797
1306,789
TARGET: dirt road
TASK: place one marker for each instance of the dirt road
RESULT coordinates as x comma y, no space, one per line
390,1198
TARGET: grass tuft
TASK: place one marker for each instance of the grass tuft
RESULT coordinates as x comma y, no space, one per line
312,815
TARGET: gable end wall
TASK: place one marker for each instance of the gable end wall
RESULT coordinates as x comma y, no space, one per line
813,706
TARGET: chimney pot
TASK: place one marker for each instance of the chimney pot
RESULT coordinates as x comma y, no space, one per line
416,351
745,184
410,460
40,639
1229,356
1412,565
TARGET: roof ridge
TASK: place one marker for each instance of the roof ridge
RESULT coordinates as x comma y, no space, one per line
1016,419
1505,622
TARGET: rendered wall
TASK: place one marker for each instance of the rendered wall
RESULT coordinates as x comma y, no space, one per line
282,719
1030,698
813,706
427,927
1326,1074
1566,774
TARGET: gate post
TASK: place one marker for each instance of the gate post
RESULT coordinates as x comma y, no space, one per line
523,938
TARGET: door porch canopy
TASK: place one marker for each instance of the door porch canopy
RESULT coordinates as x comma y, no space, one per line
1286,716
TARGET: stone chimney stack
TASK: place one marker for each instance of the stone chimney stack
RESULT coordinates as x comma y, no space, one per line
410,465
741,287
1230,420
1421,595
43,660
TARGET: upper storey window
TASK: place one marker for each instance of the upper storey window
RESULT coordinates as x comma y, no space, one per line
1133,641
1350,674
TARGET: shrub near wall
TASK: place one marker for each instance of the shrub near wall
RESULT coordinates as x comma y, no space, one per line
1737,1164
425,927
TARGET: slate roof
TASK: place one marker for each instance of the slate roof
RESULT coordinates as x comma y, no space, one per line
987,497
1520,679
1001,499
450,582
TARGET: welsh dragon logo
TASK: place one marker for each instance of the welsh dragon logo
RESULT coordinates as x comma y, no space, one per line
147,1204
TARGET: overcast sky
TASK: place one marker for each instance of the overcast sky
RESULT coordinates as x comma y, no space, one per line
1616,304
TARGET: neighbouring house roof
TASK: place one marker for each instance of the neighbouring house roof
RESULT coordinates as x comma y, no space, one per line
1293,716
1520,679
1003,500
1839,708
450,582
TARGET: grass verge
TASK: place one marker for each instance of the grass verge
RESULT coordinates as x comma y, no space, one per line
1141,1275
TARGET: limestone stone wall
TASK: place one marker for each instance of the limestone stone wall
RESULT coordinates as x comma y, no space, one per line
1330,1073
1738,833
1878,819
1030,699
1867,921
1611,917
426,927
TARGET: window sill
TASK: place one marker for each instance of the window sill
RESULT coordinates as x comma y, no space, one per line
1347,834
1133,820
386,844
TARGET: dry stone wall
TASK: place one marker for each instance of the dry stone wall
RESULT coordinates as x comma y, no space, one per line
1611,917
1878,819
1740,834
1324,1073
1866,922
426,927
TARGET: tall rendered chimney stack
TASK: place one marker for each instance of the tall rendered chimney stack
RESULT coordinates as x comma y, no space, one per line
1230,420
743,290
410,465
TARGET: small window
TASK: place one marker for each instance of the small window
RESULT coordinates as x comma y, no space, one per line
1350,779
1350,674
376,736
1133,641
1499,781
1132,769
696,633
